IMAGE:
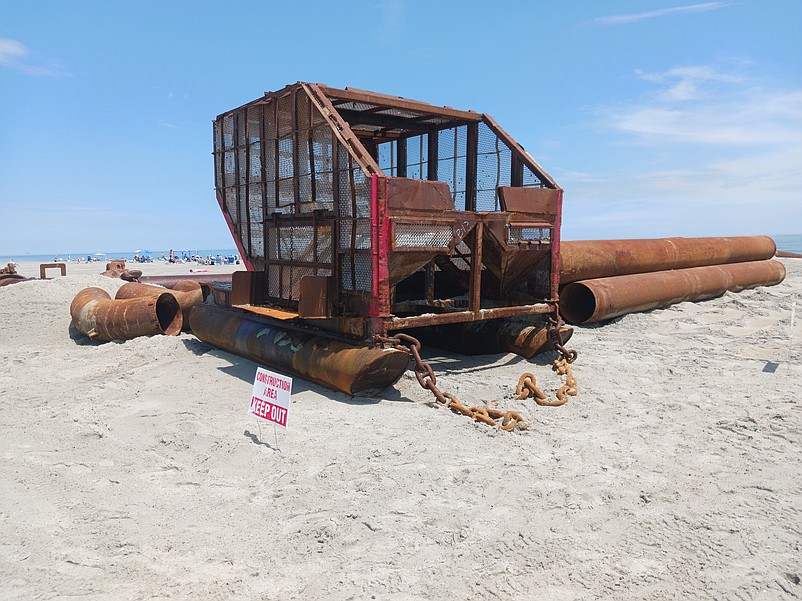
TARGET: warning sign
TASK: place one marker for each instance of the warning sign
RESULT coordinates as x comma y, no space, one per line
270,399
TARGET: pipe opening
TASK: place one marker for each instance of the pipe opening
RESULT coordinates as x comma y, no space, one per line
169,314
577,303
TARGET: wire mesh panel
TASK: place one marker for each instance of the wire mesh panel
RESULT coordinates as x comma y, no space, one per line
292,174
387,157
517,234
416,235
355,223
218,155
493,169
418,157
452,150
322,165
530,180
296,199
269,162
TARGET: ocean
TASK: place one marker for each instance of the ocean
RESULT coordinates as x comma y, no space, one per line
109,256
789,243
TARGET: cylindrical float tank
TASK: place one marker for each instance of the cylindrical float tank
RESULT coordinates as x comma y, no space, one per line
334,363
587,259
604,298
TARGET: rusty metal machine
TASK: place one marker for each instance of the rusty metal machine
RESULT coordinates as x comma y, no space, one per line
359,215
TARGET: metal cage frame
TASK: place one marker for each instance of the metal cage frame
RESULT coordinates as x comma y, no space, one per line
361,213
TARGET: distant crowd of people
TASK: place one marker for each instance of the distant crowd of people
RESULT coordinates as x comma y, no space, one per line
207,260
172,257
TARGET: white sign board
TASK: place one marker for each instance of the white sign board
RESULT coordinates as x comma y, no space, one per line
270,399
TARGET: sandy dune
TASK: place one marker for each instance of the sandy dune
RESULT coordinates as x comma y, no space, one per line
131,471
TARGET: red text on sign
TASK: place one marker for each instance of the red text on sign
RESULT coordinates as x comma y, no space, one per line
267,410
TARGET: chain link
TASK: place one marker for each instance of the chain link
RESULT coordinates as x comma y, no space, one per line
505,420
527,384
553,334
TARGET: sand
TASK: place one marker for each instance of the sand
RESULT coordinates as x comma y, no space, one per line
130,470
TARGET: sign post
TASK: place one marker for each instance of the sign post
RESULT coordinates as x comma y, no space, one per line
270,399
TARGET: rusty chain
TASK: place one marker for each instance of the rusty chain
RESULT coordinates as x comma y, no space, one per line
505,420
527,384
553,334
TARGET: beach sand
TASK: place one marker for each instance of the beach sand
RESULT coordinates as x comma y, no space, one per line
130,470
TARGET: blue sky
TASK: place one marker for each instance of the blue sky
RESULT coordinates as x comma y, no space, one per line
658,118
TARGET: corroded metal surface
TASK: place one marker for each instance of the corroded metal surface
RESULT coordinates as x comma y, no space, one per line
12,278
493,336
97,315
45,266
604,298
168,281
371,200
188,294
349,368
587,259
9,275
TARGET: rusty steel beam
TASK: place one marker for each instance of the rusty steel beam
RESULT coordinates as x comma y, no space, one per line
188,293
350,368
587,259
12,278
491,337
95,314
598,299
168,281
396,102
430,319
43,267
9,275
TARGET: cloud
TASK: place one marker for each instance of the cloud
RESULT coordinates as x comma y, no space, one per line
688,82
663,12
11,50
720,159
706,105
391,19
17,56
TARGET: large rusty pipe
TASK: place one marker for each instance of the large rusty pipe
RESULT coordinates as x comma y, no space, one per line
588,259
168,281
491,336
604,298
349,368
97,315
187,293
12,278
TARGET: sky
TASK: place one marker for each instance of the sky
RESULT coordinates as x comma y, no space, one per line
657,117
